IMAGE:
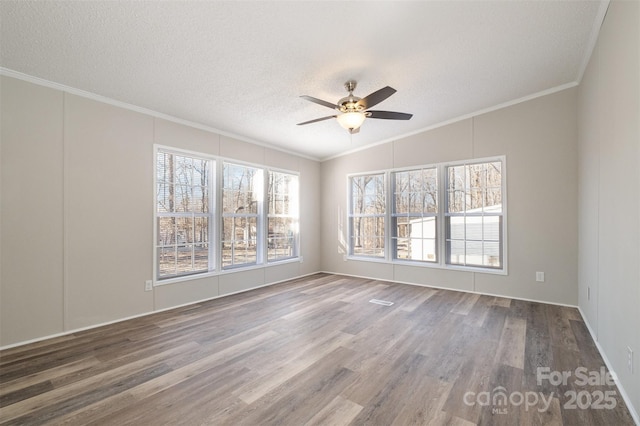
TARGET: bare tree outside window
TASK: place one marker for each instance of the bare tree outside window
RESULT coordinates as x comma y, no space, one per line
474,214
241,191
367,215
448,214
253,222
182,214
414,218
282,216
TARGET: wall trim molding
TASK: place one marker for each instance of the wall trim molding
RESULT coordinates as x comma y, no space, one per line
593,38
113,102
460,118
453,289
144,314
77,330
89,95
623,392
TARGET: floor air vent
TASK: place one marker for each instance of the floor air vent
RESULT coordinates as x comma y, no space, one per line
381,302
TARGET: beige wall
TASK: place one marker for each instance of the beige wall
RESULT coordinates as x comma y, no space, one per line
31,235
573,203
77,212
107,212
609,195
539,140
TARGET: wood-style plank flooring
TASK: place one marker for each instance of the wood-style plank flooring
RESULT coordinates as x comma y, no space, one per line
315,351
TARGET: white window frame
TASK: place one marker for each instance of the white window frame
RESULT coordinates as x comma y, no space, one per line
501,214
212,219
440,218
351,216
215,221
294,214
258,215
395,215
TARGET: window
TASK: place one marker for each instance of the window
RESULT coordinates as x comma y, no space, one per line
367,215
183,214
214,215
415,214
242,189
282,216
448,215
474,214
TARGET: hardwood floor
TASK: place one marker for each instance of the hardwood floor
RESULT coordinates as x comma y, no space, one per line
315,351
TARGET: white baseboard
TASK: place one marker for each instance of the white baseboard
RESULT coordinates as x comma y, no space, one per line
623,393
603,354
506,296
144,314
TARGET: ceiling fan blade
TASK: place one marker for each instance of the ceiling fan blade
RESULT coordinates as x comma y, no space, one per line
376,97
316,120
319,101
389,115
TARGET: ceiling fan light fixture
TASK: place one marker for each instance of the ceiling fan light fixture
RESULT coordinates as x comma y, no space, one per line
351,120
352,110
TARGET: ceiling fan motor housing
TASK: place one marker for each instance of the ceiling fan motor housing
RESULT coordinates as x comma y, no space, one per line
350,103
353,110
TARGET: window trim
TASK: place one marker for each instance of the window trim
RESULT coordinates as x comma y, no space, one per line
394,216
448,215
259,216
350,216
440,217
296,241
215,205
212,181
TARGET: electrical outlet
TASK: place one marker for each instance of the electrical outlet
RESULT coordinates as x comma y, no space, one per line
344,257
588,293
629,359
301,259
148,285
540,277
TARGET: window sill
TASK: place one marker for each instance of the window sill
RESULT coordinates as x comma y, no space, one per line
158,283
432,265
367,259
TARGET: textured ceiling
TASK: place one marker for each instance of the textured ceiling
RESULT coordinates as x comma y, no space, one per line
240,67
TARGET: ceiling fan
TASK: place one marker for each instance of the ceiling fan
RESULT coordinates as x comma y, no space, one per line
353,110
